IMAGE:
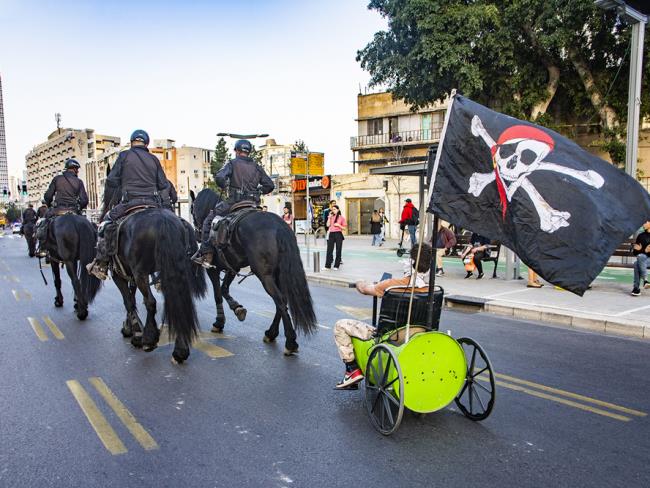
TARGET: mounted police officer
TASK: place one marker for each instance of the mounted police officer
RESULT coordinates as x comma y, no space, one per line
65,194
140,177
169,197
29,215
246,181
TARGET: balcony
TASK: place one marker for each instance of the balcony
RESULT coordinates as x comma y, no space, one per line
405,138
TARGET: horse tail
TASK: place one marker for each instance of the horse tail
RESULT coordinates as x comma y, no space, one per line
90,285
290,276
175,279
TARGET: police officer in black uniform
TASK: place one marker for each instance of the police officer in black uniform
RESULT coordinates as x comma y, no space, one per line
169,197
140,177
65,194
42,210
29,215
246,181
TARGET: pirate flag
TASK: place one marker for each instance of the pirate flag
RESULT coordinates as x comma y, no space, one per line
560,208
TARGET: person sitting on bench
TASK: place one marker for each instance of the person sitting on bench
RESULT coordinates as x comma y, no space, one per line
345,329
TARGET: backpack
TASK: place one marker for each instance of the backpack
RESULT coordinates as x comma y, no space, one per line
415,216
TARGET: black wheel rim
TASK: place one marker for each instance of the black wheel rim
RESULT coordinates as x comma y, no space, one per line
476,397
383,379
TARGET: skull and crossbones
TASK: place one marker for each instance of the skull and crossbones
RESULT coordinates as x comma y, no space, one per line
519,152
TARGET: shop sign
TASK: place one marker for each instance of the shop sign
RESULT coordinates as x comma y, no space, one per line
315,183
316,164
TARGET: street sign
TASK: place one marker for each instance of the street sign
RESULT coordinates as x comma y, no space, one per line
316,164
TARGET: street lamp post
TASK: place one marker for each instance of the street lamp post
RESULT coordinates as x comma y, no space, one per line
638,21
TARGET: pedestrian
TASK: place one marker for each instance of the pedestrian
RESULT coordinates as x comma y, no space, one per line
326,214
345,329
410,220
384,221
478,249
533,281
336,223
641,250
375,228
287,216
444,244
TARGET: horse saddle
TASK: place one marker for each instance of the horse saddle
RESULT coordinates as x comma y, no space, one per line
227,226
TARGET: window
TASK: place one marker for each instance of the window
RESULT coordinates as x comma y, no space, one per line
375,127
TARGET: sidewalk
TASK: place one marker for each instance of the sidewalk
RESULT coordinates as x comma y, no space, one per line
608,307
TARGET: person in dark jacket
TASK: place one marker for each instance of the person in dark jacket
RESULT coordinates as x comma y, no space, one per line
29,215
65,194
42,210
375,228
246,181
140,178
408,221
641,250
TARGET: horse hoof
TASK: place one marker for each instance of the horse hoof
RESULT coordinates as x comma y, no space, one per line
268,340
290,352
178,359
58,303
240,313
217,330
126,333
82,315
136,341
149,347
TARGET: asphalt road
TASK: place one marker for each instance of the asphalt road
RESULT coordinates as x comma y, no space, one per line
239,413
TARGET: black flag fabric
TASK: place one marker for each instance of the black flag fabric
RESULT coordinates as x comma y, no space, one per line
562,210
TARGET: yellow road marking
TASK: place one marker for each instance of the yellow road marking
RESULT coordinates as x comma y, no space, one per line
21,294
97,420
572,395
56,332
129,421
563,401
38,330
264,313
212,350
356,312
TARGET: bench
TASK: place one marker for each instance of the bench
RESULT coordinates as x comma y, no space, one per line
624,251
492,253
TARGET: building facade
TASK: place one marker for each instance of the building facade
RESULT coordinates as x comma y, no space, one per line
4,170
46,160
192,170
389,132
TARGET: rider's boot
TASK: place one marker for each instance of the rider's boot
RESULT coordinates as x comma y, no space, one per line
41,235
98,267
203,257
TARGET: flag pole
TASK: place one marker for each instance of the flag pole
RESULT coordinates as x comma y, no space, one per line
434,232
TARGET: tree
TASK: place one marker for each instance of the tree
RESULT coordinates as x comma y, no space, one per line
221,156
256,156
13,212
300,146
533,60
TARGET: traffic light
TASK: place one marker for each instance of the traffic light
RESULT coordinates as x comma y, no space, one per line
24,188
4,191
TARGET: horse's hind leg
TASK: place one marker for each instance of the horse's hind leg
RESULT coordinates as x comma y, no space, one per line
272,332
220,321
56,274
271,287
151,332
235,306
80,306
131,324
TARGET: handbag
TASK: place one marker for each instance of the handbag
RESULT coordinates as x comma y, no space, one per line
469,262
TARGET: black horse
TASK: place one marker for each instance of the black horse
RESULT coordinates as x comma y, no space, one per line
264,242
153,241
30,236
71,243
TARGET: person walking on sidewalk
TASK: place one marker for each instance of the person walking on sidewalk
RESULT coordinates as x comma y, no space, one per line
410,220
335,223
446,241
384,221
641,250
375,228
287,216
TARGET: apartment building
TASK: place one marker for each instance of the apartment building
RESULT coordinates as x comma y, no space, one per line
47,159
389,132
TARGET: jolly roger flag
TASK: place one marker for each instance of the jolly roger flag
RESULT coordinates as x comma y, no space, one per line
562,210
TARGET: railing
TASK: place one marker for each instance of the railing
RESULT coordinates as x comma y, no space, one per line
645,183
405,137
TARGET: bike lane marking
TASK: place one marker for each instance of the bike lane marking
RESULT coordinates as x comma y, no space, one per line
102,428
38,329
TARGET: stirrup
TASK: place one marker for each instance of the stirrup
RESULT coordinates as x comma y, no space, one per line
96,270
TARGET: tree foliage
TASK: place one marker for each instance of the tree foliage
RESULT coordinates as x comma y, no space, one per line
256,155
300,146
220,157
13,212
548,61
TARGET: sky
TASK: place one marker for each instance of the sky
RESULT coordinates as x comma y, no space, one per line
185,70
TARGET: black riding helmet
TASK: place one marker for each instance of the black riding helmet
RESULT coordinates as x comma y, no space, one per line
140,135
244,146
72,163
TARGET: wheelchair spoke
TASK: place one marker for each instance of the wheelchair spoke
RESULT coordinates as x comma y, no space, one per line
385,376
483,388
474,375
388,411
478,397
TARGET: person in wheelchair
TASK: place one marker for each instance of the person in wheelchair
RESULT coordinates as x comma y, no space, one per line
345,329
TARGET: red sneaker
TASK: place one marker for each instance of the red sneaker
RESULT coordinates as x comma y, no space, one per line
350,379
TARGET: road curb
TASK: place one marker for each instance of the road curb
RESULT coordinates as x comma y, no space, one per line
572,320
